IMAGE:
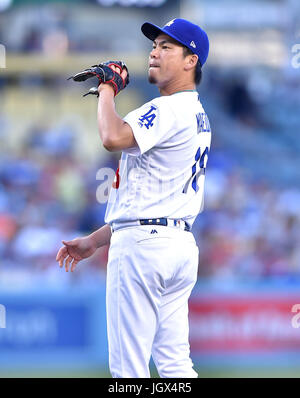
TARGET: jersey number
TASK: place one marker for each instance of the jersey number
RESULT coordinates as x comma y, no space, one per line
200,162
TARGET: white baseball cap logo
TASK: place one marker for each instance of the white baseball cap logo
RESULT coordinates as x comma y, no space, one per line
170,22
192,44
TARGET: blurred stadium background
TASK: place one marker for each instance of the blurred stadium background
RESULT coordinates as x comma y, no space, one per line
249,272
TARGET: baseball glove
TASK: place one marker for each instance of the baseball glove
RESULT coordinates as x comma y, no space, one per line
105,74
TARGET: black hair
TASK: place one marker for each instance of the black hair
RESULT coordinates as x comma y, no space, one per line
198,69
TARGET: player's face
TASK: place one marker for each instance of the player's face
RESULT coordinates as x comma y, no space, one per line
166,61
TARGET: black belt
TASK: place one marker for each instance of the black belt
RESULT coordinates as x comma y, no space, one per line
166,222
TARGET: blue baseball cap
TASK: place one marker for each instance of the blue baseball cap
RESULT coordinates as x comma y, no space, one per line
185,32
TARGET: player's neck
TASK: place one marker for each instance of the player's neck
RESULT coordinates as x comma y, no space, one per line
175,88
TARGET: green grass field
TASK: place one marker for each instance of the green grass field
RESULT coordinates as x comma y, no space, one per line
203,373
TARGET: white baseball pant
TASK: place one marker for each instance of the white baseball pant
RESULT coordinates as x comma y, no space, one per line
149,279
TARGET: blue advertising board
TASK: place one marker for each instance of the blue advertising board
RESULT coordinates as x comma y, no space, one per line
46,328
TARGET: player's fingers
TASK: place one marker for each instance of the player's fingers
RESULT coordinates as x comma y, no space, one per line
74,263
124,73
69,243
67,263
62,253
116,68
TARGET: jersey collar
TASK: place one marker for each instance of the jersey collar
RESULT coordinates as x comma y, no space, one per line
185,91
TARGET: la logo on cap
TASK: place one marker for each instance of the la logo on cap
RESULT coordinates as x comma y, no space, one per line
170,22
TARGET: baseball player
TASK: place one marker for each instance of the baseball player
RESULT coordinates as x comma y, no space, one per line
158,192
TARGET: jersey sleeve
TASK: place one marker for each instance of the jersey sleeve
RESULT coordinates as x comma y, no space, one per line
151,124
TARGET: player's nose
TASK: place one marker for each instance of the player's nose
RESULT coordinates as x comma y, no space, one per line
153,53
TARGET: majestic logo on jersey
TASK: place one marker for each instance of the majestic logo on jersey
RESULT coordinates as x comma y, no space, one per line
154,231
170,23
203,125
192,44
147,119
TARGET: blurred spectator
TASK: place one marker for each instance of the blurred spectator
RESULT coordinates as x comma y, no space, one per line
239,102
248,230
249,227
32,41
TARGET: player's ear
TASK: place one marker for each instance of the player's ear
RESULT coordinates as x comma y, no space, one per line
191,61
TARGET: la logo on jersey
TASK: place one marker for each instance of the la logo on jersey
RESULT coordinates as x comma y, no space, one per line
147,119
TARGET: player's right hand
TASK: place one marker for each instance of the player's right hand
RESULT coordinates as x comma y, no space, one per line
74,251
114,73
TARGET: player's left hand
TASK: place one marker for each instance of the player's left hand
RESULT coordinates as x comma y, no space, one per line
74,251
114,73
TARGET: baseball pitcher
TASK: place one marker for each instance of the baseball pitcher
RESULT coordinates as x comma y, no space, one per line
158,193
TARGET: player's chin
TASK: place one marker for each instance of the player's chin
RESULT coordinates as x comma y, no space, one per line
151,77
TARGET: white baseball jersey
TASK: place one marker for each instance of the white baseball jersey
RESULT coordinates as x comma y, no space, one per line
164,175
